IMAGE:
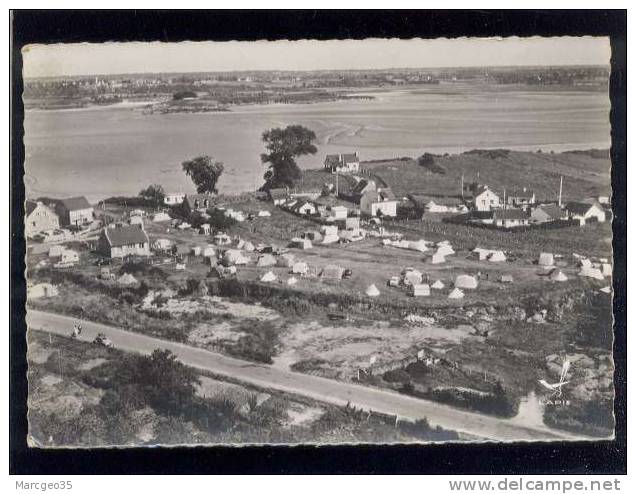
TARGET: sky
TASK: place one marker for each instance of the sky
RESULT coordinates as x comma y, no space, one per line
121,58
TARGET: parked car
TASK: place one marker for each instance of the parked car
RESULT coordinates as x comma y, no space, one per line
102,339
103,261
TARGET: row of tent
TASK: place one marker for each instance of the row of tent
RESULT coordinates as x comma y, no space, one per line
419,290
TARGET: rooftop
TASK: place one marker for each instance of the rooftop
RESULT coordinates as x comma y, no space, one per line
121,235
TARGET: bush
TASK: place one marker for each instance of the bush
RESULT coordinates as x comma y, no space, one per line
397,376
179,95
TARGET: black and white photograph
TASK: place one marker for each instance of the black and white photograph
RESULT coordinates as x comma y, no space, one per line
347,241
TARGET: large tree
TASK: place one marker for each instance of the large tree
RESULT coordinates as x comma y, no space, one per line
284,145
204,172
153,193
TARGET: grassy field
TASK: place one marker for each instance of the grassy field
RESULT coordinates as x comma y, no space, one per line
584,175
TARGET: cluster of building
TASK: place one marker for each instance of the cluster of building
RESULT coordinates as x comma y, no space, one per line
41,218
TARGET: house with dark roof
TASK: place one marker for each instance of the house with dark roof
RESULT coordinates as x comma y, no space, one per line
39,218
342,163
510,218
119,240
585,211
380,202
74,211
547,212
197,202
521,198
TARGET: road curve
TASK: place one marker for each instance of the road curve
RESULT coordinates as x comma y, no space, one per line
326,390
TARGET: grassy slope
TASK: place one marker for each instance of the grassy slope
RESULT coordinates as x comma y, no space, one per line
583,175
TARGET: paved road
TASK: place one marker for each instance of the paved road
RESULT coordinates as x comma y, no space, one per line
322,389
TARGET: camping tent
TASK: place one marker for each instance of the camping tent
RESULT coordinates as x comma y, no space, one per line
300,268
506,278
445,250
420,290
372,291
328,230
161,217
413,277
497,256
162,244
456,293
222,239
557,275
332,272
285,260
330,239
69,255
438,258
248,246
240,243
546,259
232,257
590,272
466,281
585,263
480,254
208,251
606,269
264,214
127,279
606,289
300,243
438,285
268,277
418,245
196,250
292,280
266,260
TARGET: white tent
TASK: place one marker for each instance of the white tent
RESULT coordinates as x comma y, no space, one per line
292,280
438,258
300,268
268,277
445,250
300,243
329,230
127,279
466,281
162,244
372,291
420,290
606,269
438,285
506,278
585,263
480,254
240,243
413,278
418,245
546,259
233,256
286,260
330,239
557,275
248,246
589,272
497,256
69,255
196,250
266,260
264,214
208,251
159,217
456,293
606,289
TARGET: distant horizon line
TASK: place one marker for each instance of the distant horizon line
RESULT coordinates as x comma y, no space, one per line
243,71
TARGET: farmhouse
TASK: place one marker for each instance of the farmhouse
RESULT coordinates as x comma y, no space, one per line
39,218
546,213
197,202
482,198
520,199
584,211
74,211
510,218
342,163
381,202
278,196
123,240
443,205
173,198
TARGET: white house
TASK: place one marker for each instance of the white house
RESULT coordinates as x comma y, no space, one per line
546,213
585,212
339,212
122,240
74,211
342,163
173,198
510,218
39,218
379,202
484,199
